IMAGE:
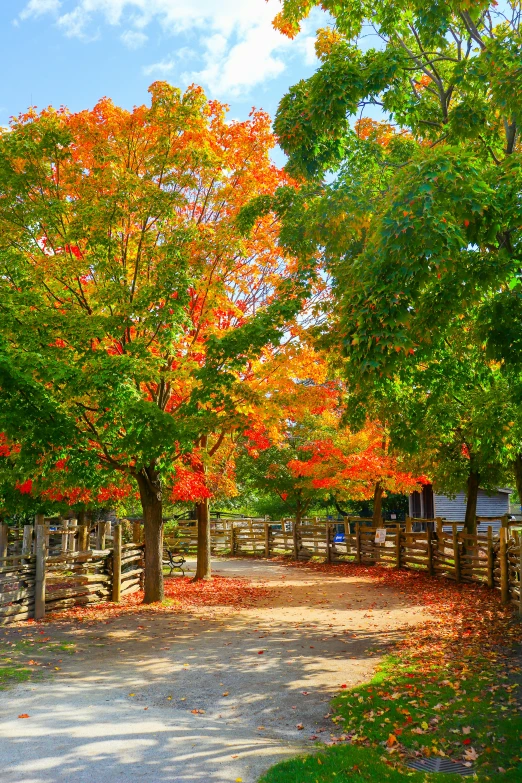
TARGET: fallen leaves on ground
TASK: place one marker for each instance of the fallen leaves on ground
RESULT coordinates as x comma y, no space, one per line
457,674
181,594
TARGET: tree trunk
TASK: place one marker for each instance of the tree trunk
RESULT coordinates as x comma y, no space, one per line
517,468
339,509
377,505
470,520
203,568
152,505
298,510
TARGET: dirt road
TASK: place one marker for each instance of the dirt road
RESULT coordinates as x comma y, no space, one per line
124,706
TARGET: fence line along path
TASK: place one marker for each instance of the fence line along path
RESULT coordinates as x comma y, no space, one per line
492,556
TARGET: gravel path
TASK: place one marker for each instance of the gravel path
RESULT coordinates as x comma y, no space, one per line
121,708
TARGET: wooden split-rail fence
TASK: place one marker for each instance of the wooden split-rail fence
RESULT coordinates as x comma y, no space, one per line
493,556
46,568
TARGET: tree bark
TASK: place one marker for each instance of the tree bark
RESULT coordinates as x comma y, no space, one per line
377,505
152,505
339,509
517,468
470,520
203,567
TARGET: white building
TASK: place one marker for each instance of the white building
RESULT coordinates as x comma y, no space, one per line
428,505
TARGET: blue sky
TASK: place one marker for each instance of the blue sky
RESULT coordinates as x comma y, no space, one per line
72,52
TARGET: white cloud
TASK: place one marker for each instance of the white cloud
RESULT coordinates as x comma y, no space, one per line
306,44
133,39
39,7
238,47
161,68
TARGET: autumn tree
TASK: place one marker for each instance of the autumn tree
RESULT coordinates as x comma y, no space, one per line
313,455
131,308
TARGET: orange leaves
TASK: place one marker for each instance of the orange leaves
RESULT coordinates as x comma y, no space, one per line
352,463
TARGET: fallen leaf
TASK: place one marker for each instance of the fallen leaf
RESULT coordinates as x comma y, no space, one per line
24,715
299,726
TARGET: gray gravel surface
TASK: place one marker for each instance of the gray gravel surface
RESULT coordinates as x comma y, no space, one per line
120,709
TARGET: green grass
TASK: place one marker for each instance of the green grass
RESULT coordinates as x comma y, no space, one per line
25,660
349,763
11,674
446,708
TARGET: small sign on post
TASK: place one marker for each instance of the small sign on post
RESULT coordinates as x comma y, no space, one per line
380,535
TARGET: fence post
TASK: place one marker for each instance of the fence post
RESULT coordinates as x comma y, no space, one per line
267,539
490,561
504,574
295,539
429,541
64,523
101,535
398,546
328,543
358,543
440,534
116,564
3,540
41,552
456,553
73,539
136,532
520,574
233,539
27,540
408,524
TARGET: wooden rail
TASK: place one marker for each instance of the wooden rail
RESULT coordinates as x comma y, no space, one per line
48,576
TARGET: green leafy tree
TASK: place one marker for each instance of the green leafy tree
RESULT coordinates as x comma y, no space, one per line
421,224
445,233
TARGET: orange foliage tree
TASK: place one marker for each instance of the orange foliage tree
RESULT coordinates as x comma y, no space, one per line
134,312
314,455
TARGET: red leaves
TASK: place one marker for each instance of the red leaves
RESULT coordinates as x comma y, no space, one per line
184,595
25,488
258,440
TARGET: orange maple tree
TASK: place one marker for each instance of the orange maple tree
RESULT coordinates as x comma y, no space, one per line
135,313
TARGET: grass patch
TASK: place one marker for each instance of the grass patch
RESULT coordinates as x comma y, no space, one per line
347,763
12,674
461,710
26,660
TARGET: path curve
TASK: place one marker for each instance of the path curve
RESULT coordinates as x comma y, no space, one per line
121,708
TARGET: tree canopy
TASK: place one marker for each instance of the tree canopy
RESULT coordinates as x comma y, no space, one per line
132,308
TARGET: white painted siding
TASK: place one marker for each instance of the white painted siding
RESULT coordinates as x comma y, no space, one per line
487,505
